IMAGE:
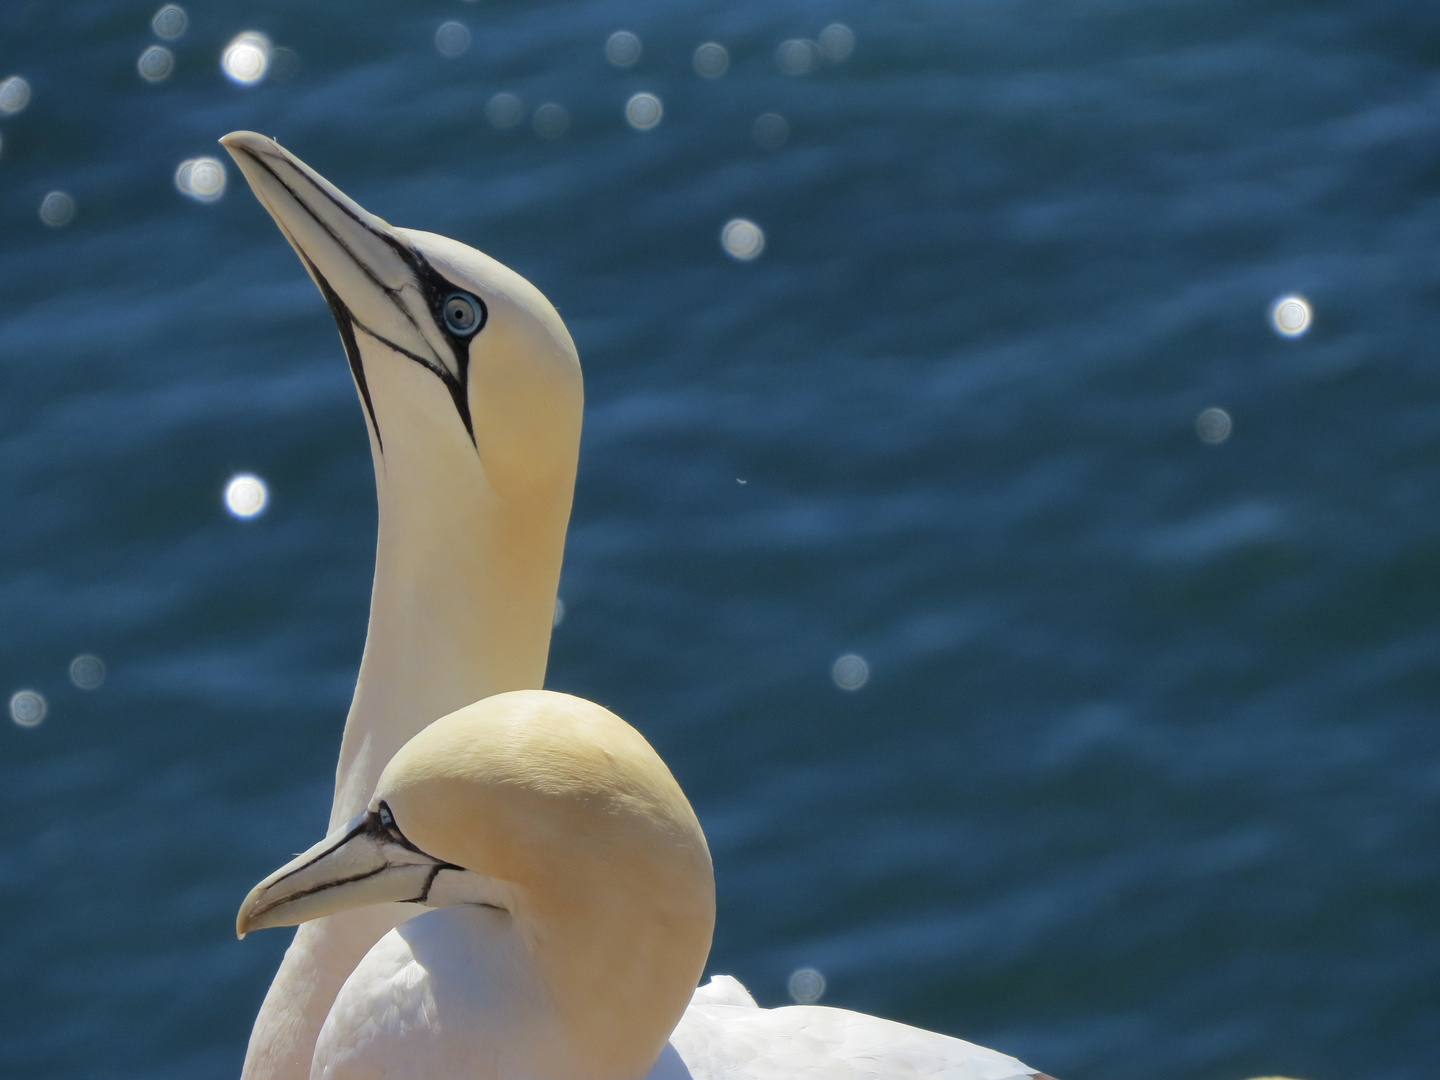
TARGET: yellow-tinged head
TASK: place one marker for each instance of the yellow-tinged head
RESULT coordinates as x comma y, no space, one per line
557,811
455,356
528,785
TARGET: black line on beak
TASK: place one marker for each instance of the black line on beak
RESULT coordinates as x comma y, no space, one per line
346,322
431,283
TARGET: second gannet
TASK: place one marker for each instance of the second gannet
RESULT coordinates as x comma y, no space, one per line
572,903
472,395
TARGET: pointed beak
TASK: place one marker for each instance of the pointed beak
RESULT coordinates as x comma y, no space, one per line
370,274
356,866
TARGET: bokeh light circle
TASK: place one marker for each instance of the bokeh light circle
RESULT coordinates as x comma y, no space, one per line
28,707
711,60
201,179
770,130
622,49
14,95
837,42
504,111
246,496
57,209
87,671
155,64
850,672
644,111
1291,316
170,22
806,986
452,39
247,58
551,120
798,56
742,239
1213,426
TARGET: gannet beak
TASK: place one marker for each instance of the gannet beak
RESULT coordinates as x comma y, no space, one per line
364,863
369,272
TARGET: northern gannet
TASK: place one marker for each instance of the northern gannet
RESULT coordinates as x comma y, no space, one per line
572,902
472,395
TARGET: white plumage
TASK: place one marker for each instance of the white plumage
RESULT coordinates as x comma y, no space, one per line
570,889
473,397
573,907
724,1035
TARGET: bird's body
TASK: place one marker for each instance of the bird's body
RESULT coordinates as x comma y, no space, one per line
426,1002
724,1035
573,904
570,888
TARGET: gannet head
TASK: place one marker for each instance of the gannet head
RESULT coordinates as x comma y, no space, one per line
459,361
561,814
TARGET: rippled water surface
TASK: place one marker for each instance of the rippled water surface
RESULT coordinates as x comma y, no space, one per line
1144,779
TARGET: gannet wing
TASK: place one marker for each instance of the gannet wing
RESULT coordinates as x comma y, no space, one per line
721,1040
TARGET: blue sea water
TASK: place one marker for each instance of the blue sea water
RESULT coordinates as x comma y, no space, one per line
1145,779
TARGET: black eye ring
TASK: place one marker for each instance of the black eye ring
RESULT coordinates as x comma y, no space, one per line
462,313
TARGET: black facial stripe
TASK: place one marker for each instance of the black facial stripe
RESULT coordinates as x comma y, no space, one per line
375,825
346,322
429,884
433,288
456,386
407,255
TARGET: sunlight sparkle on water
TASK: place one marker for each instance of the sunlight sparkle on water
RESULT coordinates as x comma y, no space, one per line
850,672
559,613
87,672
837,42
807,986
452,38
770,130
14,95
798,56
202,179
246,496
504,111
742,239
170,22
27,707
1291,316
711,60
644,111
57,209
246,58
1213,426
155,64
622,49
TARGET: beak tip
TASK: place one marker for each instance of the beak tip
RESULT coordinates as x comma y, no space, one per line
247,142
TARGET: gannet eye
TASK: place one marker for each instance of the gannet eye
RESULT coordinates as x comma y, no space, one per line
462,313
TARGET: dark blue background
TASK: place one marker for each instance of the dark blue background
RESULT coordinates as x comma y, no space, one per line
1146,779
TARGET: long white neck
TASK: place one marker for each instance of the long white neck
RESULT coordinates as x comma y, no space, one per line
465,577
462,608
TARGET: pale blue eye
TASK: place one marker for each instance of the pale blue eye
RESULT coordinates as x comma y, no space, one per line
461,313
